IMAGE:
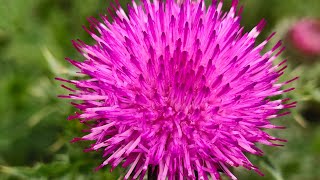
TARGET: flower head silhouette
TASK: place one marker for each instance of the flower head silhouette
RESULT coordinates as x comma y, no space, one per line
177,86
304,35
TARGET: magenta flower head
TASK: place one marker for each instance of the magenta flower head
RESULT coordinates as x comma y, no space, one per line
177,89
305,36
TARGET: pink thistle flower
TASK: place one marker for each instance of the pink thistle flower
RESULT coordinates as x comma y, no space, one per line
177,88
305,36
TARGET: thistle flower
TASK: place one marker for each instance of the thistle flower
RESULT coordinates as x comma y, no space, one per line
177,88
305,36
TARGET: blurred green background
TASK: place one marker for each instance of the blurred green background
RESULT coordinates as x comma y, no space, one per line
35,37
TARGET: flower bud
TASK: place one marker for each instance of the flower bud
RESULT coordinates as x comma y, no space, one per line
304,36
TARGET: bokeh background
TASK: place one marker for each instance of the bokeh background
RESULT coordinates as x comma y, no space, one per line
35,37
